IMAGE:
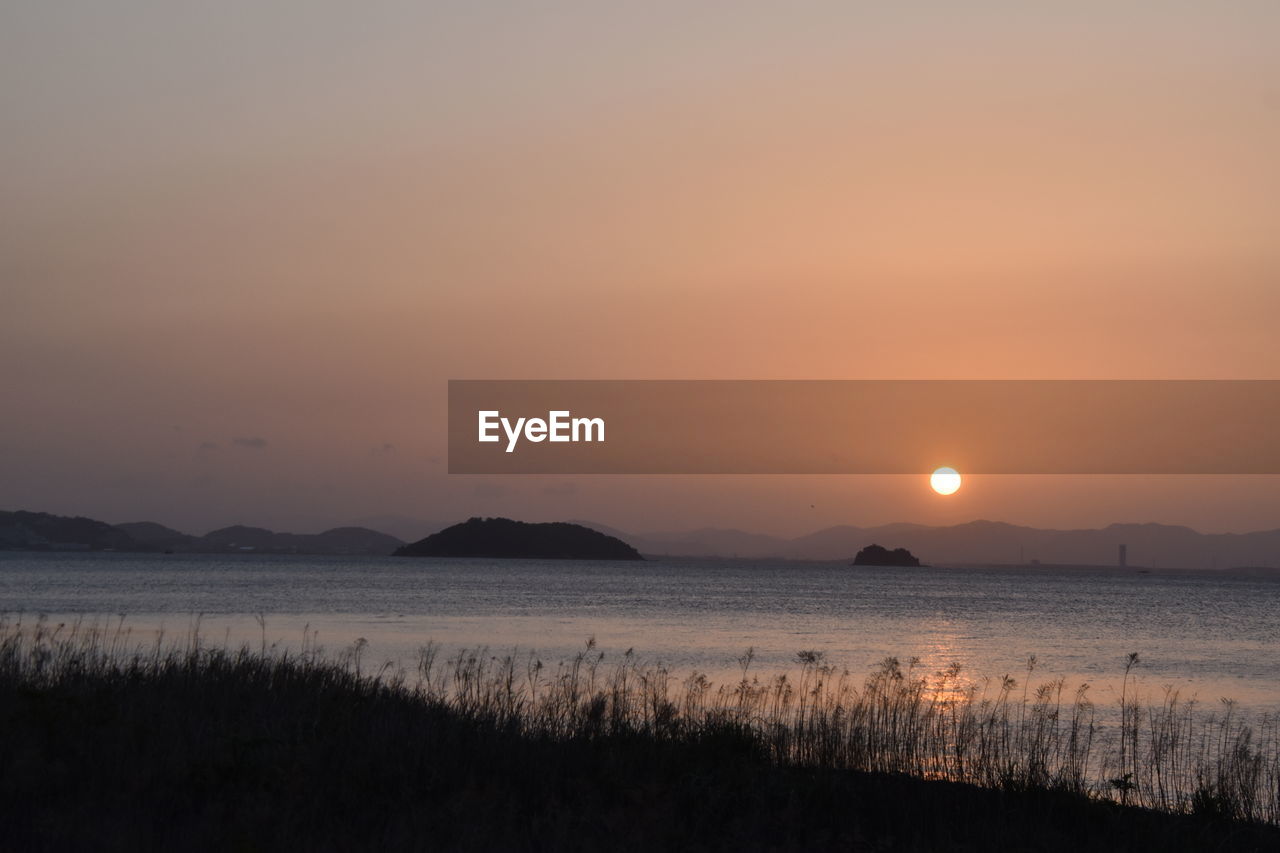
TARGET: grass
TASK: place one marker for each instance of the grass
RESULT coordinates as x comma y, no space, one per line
106,744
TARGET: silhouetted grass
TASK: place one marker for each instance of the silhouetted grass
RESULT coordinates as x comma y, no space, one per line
107,745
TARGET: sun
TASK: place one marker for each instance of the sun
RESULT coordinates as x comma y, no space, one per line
945,481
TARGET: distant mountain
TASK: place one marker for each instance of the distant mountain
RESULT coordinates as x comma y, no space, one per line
340,540
158,536
982,542
703,542
241,537
354,540
504,538
40,531
1166,546
402,527
975,542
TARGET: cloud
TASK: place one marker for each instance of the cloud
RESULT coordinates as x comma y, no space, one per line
383,450
254,443
208,445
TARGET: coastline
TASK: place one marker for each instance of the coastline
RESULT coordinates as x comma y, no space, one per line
210,748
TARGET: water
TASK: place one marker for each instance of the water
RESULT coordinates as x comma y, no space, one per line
1207,634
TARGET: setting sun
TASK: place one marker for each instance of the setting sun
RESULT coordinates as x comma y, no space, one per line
945,481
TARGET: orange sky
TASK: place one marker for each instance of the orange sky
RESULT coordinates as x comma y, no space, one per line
294,224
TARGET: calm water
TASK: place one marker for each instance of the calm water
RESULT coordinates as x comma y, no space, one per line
1209,634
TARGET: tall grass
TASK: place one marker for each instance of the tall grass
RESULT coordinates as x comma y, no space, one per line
1170,754
1011,734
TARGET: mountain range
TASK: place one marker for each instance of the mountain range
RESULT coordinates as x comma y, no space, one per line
975,542
43,531
979,542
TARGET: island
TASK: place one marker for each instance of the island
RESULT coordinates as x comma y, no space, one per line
876,555
504,538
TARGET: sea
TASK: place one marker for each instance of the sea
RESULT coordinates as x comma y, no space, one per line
1213,636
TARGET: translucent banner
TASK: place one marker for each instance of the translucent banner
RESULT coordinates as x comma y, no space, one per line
864,426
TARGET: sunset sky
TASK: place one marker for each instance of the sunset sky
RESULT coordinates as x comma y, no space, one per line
244,245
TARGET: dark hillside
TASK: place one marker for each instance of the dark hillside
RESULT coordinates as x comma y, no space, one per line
504,538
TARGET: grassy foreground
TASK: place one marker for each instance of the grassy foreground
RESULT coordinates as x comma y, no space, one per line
107,746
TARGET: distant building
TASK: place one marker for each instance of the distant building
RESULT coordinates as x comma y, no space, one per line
1124,556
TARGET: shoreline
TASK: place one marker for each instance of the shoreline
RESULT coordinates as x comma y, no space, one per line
207,748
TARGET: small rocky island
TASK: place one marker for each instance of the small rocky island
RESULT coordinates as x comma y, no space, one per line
506,539
876,555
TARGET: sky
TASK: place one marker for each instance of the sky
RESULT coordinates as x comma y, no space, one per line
243,246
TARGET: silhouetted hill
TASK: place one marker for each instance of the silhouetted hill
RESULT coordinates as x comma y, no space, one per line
245,538
504,538
975,542
877,555
983,542
403,527
40,531
703,542
353,540
159,536
718,541
339,540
